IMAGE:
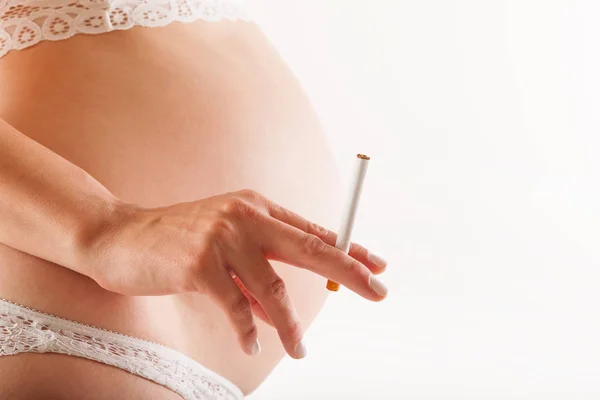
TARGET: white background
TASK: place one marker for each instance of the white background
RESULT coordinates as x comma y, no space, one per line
482,120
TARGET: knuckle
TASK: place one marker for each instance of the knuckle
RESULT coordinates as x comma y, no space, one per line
211,227
313,245
240,308
222,229
256,198
239,208
274,208
232,206
360,251
277,290
353,267
250,194
250,212
318,230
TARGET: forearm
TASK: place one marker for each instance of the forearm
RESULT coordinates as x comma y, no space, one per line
49,207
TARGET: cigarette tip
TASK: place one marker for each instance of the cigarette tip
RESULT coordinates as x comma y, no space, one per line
364,157
333,286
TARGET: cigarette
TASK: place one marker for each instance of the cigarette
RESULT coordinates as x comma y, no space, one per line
343,238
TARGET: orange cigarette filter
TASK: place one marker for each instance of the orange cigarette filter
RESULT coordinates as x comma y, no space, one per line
343,238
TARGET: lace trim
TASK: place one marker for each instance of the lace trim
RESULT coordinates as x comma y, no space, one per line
23,329
24,23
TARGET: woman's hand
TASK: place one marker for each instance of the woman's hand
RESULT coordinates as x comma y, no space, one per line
220,246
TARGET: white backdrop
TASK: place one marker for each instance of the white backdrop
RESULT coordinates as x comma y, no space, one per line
482,120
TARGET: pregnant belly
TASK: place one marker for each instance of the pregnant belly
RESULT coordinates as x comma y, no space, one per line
160,116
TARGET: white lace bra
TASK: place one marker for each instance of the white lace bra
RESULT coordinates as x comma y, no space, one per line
24,23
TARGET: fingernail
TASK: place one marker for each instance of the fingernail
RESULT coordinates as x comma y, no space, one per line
301,349
255,350
375,259
377,286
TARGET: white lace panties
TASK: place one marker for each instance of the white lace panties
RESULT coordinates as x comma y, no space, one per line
23,329
24,23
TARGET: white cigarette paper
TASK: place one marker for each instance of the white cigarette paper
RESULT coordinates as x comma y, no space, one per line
349,214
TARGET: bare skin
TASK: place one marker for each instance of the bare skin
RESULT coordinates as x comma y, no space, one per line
173,123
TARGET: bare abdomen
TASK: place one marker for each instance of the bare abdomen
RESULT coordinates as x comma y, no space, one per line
160,116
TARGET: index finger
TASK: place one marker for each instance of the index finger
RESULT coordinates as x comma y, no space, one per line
282,242
375,263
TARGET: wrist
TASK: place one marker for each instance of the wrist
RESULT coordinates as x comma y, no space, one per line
106,214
